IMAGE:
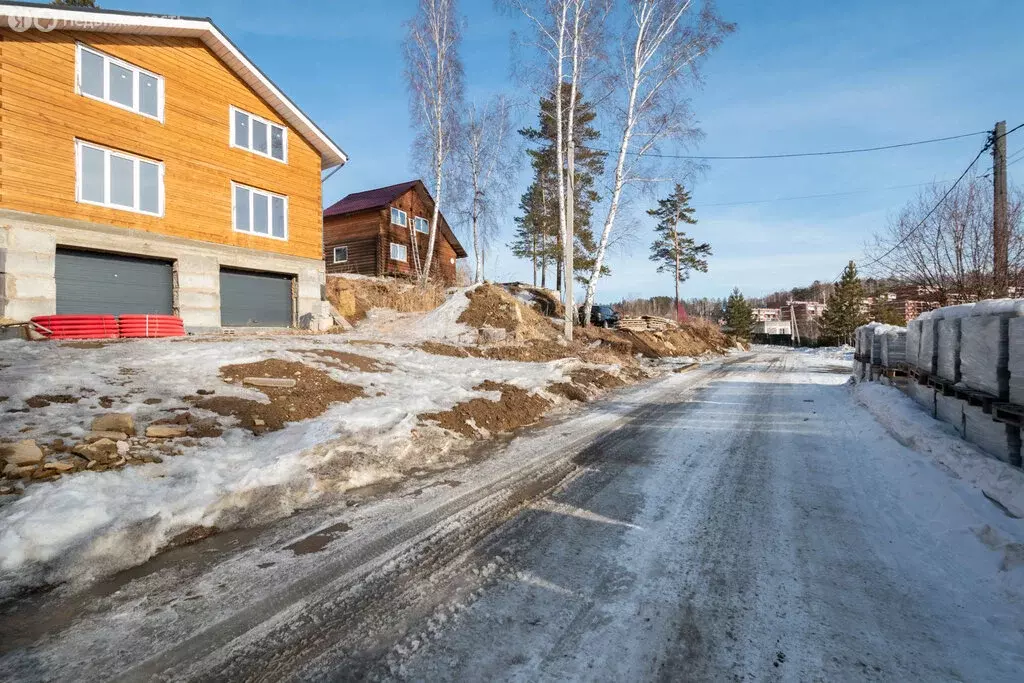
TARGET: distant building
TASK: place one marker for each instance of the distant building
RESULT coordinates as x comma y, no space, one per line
802,310
766,314
773,327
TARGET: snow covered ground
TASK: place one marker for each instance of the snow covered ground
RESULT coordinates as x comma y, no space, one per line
89,524
914,428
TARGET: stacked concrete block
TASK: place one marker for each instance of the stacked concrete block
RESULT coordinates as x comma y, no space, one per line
913,342
926,356
995,438
894,347
1015,359
948,349
984,346
922,394
950,410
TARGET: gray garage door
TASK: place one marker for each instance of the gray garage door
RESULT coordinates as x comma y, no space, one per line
91,282
255,299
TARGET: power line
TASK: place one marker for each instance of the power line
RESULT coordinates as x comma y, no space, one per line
819,196
931,211
797,154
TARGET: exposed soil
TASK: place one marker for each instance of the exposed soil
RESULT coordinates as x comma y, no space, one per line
479,417
492,306
596,378
534,350
312,395
349,360
568,390
43,400
352,298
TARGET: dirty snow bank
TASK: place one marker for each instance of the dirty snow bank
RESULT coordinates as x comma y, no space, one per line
913,428
91,524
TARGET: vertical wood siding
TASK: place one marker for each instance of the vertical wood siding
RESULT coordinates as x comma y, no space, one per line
41,116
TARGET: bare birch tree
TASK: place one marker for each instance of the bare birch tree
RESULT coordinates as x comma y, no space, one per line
565,36
435,79
485,170
947,253
660,53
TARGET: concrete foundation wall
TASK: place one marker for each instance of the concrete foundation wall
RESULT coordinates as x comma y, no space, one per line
28,243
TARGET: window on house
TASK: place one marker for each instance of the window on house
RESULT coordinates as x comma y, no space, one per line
121,181
422,225
399,217
258,135
259,212
119,83
340,254
398,252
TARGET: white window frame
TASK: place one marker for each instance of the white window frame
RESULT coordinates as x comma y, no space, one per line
402,249
137,186
426,223
136,70
405,217
232,110
335,254
270,211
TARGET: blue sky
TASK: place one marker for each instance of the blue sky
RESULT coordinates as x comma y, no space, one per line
803,75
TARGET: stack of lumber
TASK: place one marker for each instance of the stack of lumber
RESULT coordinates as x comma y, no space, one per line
633,324
656,323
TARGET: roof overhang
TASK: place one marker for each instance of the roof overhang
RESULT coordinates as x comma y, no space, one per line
22,17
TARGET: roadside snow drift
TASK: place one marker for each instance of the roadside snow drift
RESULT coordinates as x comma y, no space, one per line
93,523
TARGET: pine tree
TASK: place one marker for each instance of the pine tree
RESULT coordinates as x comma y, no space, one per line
537,237
672,250
843,313
739,316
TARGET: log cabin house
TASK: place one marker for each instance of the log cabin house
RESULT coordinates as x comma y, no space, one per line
371,232
149,166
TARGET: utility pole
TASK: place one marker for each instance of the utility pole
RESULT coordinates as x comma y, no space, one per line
1000,229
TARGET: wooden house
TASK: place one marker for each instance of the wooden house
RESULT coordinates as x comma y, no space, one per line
372,233
149,166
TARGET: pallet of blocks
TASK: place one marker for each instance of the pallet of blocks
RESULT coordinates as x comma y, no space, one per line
656,324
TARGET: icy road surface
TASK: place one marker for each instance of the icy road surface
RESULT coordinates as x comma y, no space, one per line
749,520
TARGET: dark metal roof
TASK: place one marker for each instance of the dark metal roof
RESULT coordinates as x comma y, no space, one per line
369,199
380,197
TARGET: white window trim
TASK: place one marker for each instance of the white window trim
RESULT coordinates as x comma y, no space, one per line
270,212
232,109
136,70
416,222
402,249
335,254
405,217
137,186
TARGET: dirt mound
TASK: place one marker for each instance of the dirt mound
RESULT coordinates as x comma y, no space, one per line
480,417
492,306
533,351
691,339
596,378
544,301
352,297
350,361
313,393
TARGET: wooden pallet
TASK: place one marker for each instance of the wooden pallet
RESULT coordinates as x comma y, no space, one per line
896,372
1009,413
978,399
944,386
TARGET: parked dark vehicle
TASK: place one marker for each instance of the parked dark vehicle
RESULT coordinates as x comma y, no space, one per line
601,316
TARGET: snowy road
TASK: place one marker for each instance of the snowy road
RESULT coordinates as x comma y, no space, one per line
748,521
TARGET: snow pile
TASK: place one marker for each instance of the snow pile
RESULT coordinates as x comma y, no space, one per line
844,352
90,524
438,324
911,427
